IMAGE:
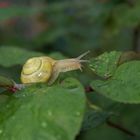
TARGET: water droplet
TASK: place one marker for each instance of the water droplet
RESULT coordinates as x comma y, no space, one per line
78,113
23,95
49,113
13,117
7,106
1,131
44,124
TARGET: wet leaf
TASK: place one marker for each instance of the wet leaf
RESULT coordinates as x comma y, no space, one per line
13,56
124,86
94,118
41,112
105,64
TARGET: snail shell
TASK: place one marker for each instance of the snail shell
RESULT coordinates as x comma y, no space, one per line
37,69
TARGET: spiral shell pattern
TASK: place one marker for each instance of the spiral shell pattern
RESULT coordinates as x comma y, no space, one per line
37,69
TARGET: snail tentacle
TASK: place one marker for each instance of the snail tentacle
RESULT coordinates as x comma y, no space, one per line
82,55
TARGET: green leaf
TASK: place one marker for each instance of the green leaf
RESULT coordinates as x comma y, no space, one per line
105,64
6,82
99,110
104,132
12,56
94,118
43,113
129,116
123,86
12,72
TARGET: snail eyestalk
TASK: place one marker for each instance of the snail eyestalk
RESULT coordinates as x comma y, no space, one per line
83,55
67,65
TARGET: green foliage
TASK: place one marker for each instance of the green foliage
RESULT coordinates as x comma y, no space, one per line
117,73
6,82
15,56
41,112
123,86
65,29
105,64
94,118
104,132
20,56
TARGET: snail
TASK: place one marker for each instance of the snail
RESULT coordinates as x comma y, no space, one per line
46,69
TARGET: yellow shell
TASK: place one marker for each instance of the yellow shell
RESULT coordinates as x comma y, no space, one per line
37,69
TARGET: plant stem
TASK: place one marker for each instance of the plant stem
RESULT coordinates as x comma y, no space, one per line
136,37
121,128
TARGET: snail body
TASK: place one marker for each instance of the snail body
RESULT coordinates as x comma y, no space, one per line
46,69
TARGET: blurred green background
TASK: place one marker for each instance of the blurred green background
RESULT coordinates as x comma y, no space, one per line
72,27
